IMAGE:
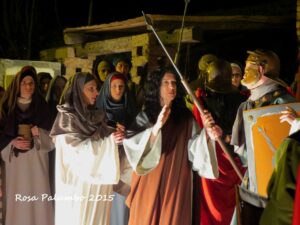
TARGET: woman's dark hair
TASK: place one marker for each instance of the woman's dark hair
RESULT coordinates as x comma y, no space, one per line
152,95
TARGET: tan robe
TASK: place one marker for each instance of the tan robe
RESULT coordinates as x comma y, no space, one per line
164,195
28,185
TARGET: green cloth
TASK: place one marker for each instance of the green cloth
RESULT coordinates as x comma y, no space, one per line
282,185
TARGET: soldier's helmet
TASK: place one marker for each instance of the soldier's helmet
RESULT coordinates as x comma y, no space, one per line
205,60
269,60
219,76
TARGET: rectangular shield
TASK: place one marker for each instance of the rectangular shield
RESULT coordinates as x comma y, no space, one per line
264,133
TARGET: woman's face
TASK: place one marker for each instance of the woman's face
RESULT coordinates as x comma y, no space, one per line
236,76
117,89
45,85
122,67
103,70
27,87
168,89
90,92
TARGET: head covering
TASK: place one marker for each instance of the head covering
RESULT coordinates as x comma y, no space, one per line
118,76
122,112
122,58
219,76
9,100
11,115
51,97
74,117
205,60
43,75
59,82
103,64
269,61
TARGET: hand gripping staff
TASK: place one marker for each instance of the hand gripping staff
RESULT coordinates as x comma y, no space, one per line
190,92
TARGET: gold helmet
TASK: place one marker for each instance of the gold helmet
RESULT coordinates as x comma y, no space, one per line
219,76
205,60
269,61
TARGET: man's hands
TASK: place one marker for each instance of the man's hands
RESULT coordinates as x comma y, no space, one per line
214,132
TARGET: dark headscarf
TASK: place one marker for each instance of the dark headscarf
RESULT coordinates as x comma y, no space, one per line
122,112
37,114
75,117
51,97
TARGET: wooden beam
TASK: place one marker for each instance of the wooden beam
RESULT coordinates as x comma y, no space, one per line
189,35
127,44
105,47
171,21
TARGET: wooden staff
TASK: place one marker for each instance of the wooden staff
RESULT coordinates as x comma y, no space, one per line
191,93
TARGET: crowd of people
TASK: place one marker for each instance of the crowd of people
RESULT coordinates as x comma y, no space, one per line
99,149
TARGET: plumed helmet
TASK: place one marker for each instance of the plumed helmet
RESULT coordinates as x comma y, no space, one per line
219,76
205,60
269,61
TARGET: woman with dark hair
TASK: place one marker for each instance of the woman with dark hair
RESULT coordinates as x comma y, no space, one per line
24,144
114,99
44,79
164,152
55,90
87,157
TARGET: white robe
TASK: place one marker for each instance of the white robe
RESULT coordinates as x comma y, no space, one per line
84,178
28,184
201,154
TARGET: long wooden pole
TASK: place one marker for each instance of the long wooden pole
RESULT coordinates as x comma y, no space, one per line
191,93
176,59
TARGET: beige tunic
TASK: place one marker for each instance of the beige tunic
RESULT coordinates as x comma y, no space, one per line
85,175
28,185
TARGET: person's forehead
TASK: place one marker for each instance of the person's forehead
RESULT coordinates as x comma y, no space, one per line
169,76
90,83
27,78
122,63
117,81
46,80
236,70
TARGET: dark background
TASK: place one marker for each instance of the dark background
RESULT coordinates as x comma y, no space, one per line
28,27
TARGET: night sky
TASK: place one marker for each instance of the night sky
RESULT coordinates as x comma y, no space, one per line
115,10
51,17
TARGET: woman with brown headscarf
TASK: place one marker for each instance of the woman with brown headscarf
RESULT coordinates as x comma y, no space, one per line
25,144
87,158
